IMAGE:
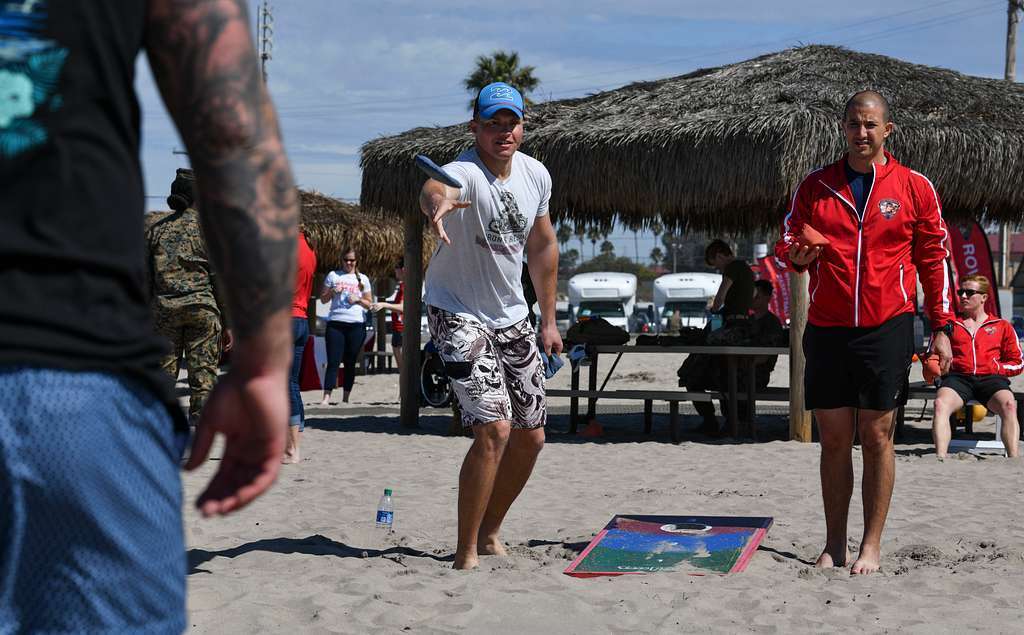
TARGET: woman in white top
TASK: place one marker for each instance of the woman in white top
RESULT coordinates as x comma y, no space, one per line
350,296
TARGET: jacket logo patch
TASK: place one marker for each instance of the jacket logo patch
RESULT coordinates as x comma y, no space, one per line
991,330
888,207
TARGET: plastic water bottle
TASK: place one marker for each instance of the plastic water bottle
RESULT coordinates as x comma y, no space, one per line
385,511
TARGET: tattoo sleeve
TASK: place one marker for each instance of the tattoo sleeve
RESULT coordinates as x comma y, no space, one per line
203,59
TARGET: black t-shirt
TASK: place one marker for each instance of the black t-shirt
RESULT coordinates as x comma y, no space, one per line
71,249
860,185
741,293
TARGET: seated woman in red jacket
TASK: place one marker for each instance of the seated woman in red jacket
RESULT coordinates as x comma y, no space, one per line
985,353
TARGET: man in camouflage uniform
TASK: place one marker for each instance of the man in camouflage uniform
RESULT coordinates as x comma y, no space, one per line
185,307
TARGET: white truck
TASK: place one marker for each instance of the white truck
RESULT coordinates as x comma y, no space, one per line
688,293
604,294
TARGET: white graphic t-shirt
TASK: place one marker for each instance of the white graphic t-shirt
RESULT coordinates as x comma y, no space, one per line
478,275
342,307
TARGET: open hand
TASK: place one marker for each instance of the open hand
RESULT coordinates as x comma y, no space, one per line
252,414
803,256
441,208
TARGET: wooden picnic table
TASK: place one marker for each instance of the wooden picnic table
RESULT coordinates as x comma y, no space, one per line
732,354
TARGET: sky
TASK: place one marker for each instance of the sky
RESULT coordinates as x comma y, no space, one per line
345,72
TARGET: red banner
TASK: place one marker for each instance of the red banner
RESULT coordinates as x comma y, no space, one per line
971,255
770,269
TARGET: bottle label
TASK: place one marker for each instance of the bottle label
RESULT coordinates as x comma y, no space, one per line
385,518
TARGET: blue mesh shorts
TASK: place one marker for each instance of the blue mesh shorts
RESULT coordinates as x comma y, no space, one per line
90,506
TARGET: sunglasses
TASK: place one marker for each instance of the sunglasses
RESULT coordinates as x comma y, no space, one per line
970,293
350,260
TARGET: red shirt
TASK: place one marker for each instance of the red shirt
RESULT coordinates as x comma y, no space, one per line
397,323
303,278
992,350
867,274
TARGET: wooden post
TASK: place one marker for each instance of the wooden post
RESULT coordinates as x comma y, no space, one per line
382,339
412,305
1013,8
799,419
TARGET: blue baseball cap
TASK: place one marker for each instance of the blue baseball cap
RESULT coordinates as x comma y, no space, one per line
498,96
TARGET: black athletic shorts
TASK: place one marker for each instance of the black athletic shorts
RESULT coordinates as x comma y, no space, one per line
851,367
978,388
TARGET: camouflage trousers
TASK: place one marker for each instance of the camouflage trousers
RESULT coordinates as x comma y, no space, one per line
195,333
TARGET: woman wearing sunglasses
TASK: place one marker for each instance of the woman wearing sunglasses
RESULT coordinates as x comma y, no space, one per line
350,296
986,353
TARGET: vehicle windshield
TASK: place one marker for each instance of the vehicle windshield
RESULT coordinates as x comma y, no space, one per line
686,308
604,309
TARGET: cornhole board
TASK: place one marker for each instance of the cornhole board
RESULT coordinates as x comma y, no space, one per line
696,545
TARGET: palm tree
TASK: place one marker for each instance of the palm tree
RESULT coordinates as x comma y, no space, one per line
657,255
564,234
501,66
567,260
593,235
580,232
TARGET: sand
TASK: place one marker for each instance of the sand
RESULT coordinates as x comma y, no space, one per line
307,558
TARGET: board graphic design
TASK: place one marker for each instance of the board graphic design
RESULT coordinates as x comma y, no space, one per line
696,545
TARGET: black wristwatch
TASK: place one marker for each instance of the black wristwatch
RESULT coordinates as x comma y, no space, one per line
946,328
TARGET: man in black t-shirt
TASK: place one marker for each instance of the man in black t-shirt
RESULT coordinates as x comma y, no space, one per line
737,288
90,495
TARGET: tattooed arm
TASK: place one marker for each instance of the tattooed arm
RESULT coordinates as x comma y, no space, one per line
203,59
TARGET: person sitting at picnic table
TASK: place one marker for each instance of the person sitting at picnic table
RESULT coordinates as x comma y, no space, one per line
736,291
986,353
764,329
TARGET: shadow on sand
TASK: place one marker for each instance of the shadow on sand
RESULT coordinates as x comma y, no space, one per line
319,545
618,428
316,545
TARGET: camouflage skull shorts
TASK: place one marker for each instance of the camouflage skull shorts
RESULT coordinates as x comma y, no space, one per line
497,375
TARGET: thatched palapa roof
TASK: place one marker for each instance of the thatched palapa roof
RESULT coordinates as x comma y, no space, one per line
721,149
333,225
379,240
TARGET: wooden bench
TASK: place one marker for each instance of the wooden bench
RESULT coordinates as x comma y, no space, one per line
673,397
732,355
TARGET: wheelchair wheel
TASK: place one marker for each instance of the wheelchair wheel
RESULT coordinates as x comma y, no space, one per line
435,389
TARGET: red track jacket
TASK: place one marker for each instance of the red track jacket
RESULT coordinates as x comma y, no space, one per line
992,350
868,273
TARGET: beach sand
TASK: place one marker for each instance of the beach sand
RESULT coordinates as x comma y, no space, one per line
307,558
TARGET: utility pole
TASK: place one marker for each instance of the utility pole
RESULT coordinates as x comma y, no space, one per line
265,33
1013,9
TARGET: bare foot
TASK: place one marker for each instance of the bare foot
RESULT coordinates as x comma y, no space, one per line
829,559
491,547
290,457
466,561
868,561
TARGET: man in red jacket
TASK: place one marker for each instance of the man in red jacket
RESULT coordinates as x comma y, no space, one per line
883,223
986,353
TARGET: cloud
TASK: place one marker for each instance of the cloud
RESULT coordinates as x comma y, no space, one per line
324,148
347,72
